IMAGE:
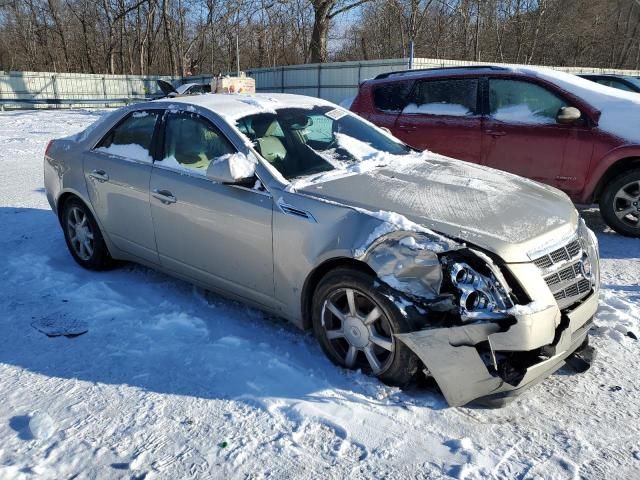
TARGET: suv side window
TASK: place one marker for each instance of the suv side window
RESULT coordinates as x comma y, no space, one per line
132,137
391,97
192,142
523,102
455,97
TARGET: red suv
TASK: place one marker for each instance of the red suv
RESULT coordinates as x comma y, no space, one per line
554,127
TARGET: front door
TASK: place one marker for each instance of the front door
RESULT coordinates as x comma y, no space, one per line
117,173
442,116
218,234
521,134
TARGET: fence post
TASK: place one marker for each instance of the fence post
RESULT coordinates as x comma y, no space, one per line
319,78
55,90
104,91
282,79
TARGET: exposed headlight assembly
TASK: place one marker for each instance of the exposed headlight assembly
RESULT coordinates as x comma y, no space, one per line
416,264
481,297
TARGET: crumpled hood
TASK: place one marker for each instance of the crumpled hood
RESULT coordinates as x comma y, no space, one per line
505,214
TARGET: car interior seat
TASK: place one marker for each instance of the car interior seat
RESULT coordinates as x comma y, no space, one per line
268,145
187,144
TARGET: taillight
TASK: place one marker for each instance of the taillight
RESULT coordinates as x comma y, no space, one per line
46,150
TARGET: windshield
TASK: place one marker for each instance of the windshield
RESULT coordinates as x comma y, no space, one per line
300,141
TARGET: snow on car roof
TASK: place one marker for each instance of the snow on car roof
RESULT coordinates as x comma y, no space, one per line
234,106
598,95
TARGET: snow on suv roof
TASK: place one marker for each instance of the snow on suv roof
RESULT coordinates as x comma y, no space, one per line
594,93
234,106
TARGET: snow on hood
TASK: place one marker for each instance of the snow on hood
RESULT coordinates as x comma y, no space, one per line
620,110
498,211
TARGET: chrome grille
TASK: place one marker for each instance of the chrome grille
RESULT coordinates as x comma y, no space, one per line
563,272
562,254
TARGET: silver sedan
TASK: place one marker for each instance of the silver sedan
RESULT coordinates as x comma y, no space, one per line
400,261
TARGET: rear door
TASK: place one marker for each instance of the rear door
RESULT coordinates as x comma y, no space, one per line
117,172
218,234
442,115
521,134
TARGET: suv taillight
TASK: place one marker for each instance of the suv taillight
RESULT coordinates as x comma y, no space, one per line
46,150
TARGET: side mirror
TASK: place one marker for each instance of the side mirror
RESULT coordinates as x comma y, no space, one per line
568,115
232,168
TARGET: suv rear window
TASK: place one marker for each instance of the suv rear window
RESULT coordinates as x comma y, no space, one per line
444,97
391,97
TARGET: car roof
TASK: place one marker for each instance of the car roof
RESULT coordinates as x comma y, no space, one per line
183,88
236,105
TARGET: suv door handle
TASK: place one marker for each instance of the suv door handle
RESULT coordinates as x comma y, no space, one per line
407,128
495,133
99,175
164,196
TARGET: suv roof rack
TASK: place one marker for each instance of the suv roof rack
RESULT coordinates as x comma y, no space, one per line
418,70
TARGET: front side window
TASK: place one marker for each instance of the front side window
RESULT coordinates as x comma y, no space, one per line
392,97
457,98
132,137
523,102
192,142
300,141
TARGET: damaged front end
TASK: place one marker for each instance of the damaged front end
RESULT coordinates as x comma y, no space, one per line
480,334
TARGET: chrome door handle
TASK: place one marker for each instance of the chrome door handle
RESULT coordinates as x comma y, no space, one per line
99,175
407,128
164,196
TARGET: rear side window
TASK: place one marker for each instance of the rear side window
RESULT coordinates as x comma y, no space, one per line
192,142
523,102
391,97
456,98
132,137
615,84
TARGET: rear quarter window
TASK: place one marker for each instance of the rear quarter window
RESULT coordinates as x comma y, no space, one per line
391,97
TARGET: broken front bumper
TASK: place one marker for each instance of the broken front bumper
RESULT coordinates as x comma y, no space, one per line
464,359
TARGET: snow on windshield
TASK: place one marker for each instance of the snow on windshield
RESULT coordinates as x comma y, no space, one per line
365,158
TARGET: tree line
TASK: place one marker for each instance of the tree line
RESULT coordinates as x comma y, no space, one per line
185,37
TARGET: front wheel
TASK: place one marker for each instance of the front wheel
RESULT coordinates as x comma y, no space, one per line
620,203
355,325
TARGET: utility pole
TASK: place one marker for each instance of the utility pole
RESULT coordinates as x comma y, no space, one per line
238,40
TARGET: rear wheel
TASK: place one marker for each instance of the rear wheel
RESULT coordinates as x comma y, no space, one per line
83,236
355,325
620,203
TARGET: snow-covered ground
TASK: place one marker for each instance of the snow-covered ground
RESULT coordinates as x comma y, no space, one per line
173,382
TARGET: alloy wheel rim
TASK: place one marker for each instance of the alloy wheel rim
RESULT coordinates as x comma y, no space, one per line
80,233
626,204
357,329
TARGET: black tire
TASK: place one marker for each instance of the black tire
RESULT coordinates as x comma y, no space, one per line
401,364
98,258
611,204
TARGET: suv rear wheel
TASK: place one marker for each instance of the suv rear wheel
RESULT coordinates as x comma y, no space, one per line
620,203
